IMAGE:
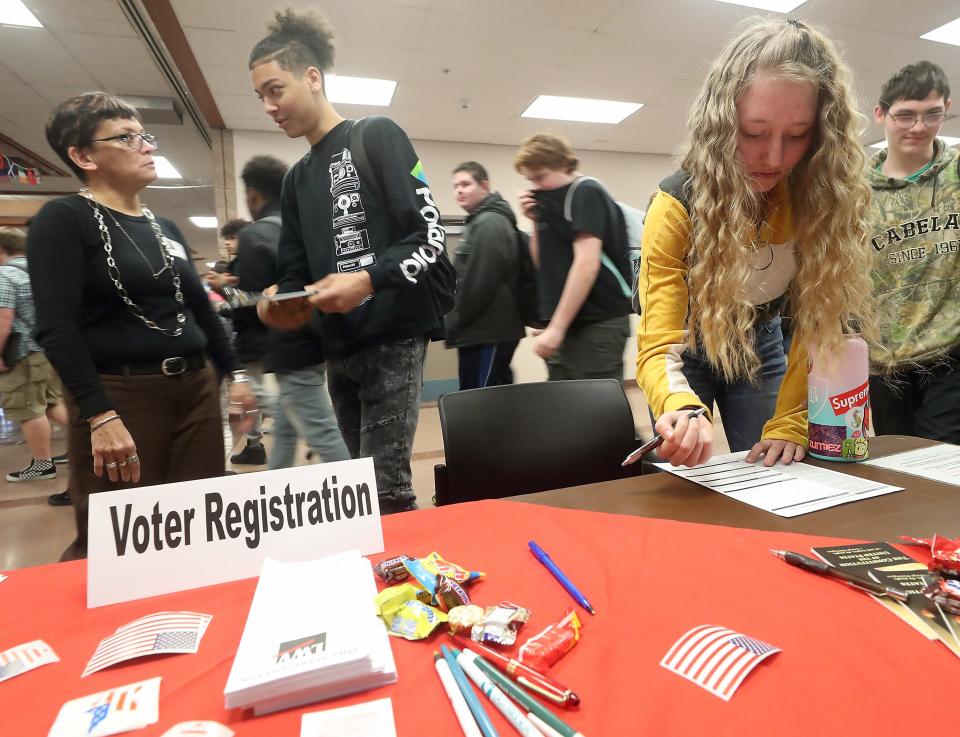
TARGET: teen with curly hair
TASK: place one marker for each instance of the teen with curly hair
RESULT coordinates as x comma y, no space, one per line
767,211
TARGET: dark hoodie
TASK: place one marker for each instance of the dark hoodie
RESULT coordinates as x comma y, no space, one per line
487,263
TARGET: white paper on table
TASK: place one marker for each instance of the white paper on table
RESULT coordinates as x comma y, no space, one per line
25,657
370,719
938,463
788,491
2,578
199,729
120,709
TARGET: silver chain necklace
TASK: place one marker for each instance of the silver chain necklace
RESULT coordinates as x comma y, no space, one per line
114,273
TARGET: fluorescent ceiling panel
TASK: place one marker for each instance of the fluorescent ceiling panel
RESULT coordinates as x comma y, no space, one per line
359,90
580,109
945,34
15,13
166,170
949,140
203,221
777,6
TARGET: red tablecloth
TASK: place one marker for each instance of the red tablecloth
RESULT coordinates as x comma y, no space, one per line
847,667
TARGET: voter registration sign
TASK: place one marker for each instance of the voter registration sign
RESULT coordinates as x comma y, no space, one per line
157,539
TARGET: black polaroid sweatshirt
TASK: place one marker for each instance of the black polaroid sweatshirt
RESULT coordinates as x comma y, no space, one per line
333,224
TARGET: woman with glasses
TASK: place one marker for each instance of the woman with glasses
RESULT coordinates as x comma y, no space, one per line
766,211
123,317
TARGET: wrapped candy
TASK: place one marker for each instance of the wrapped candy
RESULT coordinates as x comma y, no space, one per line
437,565
392,570
462,618
500,624
547,647
406,614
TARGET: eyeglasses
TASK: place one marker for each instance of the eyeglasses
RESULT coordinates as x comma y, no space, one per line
132,140
906,121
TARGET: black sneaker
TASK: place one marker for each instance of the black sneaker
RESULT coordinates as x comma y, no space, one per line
61,499
250,456
60,459
38,470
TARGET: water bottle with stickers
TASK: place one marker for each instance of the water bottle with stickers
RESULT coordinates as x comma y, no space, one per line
838,402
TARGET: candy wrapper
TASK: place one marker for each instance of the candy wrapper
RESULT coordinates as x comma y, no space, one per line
500,624
946,593
944,551
405,614
545,648
446,593
450,594
438,566
392,570
461,619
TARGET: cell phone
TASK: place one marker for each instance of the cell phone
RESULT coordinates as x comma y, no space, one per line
289,295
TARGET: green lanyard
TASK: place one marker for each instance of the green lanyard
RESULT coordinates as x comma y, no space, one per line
913,177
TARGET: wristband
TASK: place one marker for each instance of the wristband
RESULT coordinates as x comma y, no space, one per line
239,377
100,423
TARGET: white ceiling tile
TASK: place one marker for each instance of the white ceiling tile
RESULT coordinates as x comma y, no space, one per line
228,80
239,106
574,14
85,16
216,14
246,124
37,57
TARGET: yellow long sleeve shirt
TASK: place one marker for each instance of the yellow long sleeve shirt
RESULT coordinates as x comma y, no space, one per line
664,299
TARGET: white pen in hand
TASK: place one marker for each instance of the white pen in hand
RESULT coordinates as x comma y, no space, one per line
657,440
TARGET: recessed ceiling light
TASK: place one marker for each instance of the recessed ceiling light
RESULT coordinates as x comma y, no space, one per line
949,140
203,221
580,109
945,34
15,13
359,90
777,6
165,170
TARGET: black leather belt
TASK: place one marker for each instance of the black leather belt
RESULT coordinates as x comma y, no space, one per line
173,366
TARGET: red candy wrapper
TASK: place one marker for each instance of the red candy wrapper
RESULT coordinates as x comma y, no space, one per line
945,553
545,648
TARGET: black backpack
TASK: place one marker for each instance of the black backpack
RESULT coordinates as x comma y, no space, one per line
441,276
526,291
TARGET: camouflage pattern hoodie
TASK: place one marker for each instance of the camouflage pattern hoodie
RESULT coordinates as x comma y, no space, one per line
914,228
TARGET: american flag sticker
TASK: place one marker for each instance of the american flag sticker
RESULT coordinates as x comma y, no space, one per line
163,632
120,709
25,657
716,658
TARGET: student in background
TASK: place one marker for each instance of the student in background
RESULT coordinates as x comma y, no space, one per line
915,237
30,390
369,262
485,325
583,268
769,204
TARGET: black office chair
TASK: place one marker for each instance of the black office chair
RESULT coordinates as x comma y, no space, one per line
507,440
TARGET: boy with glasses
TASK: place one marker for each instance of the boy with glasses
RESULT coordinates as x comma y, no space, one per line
915,234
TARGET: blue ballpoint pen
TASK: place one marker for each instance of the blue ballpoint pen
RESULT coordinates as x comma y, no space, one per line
542,556
476,708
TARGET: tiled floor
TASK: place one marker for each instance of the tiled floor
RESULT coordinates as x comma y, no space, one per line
32,533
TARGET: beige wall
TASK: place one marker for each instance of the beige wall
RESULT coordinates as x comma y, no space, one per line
630,177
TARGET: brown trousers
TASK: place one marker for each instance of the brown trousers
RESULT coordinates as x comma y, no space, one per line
176,424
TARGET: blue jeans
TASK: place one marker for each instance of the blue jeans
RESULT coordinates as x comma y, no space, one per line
303,411
486,365
744,407
376,395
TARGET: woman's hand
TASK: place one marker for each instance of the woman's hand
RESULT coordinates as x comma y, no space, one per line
772,450
114,449
686,442
242,403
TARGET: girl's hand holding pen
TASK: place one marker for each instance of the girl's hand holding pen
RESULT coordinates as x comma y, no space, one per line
686,441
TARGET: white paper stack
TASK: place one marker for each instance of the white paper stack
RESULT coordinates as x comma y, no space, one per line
312,634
